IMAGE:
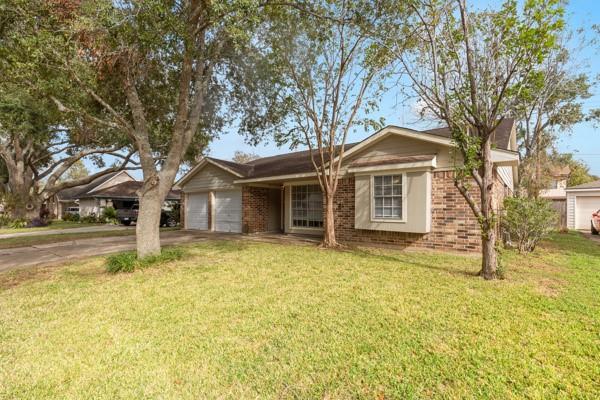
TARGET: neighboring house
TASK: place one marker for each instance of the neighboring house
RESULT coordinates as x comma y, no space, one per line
117,190
582,201
556,192
396,187
558,184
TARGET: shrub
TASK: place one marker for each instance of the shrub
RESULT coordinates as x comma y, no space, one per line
71,217
128,262
109,213
4,220
17,223
526,221
122,262
89,219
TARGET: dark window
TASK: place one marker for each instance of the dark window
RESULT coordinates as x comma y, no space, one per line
307,206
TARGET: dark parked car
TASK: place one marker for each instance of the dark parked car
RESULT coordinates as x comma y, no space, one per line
128,215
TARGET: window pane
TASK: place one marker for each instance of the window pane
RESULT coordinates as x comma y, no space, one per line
307,206
387,193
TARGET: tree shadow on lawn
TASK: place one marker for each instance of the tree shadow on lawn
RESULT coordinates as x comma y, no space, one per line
438,261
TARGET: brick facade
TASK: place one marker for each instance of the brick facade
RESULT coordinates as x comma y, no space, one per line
255,209
453,226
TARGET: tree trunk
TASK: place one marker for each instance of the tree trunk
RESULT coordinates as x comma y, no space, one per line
329,229
147,228
489,259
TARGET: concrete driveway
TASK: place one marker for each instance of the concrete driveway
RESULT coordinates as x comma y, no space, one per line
56,253
83,229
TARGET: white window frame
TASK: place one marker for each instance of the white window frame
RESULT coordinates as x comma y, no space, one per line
404,198
291,209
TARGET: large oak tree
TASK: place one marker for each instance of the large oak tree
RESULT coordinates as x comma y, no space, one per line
163,73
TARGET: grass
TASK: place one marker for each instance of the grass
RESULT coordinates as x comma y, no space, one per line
56,224
22,241
241,320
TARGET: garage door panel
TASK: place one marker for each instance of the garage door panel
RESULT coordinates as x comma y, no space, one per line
584,207
228,211
197,211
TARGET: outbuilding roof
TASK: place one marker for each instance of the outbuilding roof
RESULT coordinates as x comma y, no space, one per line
589,185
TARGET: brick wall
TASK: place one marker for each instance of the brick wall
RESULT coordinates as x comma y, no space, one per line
255,209
453,226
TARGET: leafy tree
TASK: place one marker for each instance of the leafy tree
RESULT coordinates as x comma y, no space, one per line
580,172
552,102
242,157
468,69
77,171
162,73
331,76
37,144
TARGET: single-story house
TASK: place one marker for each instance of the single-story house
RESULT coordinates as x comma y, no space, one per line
117,190
582,201
396,187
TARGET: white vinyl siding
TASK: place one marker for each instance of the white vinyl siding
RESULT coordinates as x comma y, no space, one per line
228,211
209,178
197,211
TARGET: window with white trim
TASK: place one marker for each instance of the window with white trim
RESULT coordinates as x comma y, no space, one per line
307,206
387,197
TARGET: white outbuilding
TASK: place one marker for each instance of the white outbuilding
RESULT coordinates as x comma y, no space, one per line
582,201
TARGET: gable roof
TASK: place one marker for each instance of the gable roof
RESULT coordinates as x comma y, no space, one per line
127,190
74,193
299,162
589,185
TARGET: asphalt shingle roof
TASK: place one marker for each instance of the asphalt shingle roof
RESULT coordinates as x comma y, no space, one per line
589,185
300,162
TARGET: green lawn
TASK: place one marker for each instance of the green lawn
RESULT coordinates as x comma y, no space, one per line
252,320
56,224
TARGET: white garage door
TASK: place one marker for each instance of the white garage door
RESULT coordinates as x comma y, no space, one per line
228,211
197,211
584,207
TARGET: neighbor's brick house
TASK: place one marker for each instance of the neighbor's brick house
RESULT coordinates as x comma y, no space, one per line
396,188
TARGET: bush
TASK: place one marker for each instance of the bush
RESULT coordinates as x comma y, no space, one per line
109,216
109,213
89,219
18,223
128,262
4,220
71,217
526,221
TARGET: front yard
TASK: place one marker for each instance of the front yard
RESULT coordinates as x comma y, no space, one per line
255,320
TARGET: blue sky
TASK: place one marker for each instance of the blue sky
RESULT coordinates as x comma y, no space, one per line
583,141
